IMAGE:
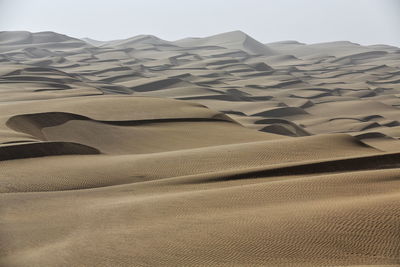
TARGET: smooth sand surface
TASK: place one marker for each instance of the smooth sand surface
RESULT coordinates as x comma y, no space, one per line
216,151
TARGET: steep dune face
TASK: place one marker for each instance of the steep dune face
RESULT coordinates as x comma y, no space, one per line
24,37
215,151
230,40
19,40
144,41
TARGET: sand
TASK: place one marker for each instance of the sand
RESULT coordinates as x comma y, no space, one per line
216,151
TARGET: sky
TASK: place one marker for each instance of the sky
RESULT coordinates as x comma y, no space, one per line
309,21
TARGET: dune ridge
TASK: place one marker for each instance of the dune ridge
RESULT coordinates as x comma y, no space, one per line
213,151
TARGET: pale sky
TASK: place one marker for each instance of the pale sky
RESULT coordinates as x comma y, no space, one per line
308,21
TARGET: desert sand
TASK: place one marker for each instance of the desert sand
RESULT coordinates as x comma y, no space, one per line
216,151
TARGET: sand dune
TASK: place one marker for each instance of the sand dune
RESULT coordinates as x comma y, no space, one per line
214,151
230,40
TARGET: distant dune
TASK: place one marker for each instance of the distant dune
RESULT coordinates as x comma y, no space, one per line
215,151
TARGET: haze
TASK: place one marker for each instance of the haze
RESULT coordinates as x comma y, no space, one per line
309,21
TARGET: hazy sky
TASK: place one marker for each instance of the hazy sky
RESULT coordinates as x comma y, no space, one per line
309,21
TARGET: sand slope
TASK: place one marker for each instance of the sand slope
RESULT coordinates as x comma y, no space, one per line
215,151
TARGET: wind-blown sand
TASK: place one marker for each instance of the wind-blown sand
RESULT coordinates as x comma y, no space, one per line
217,151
